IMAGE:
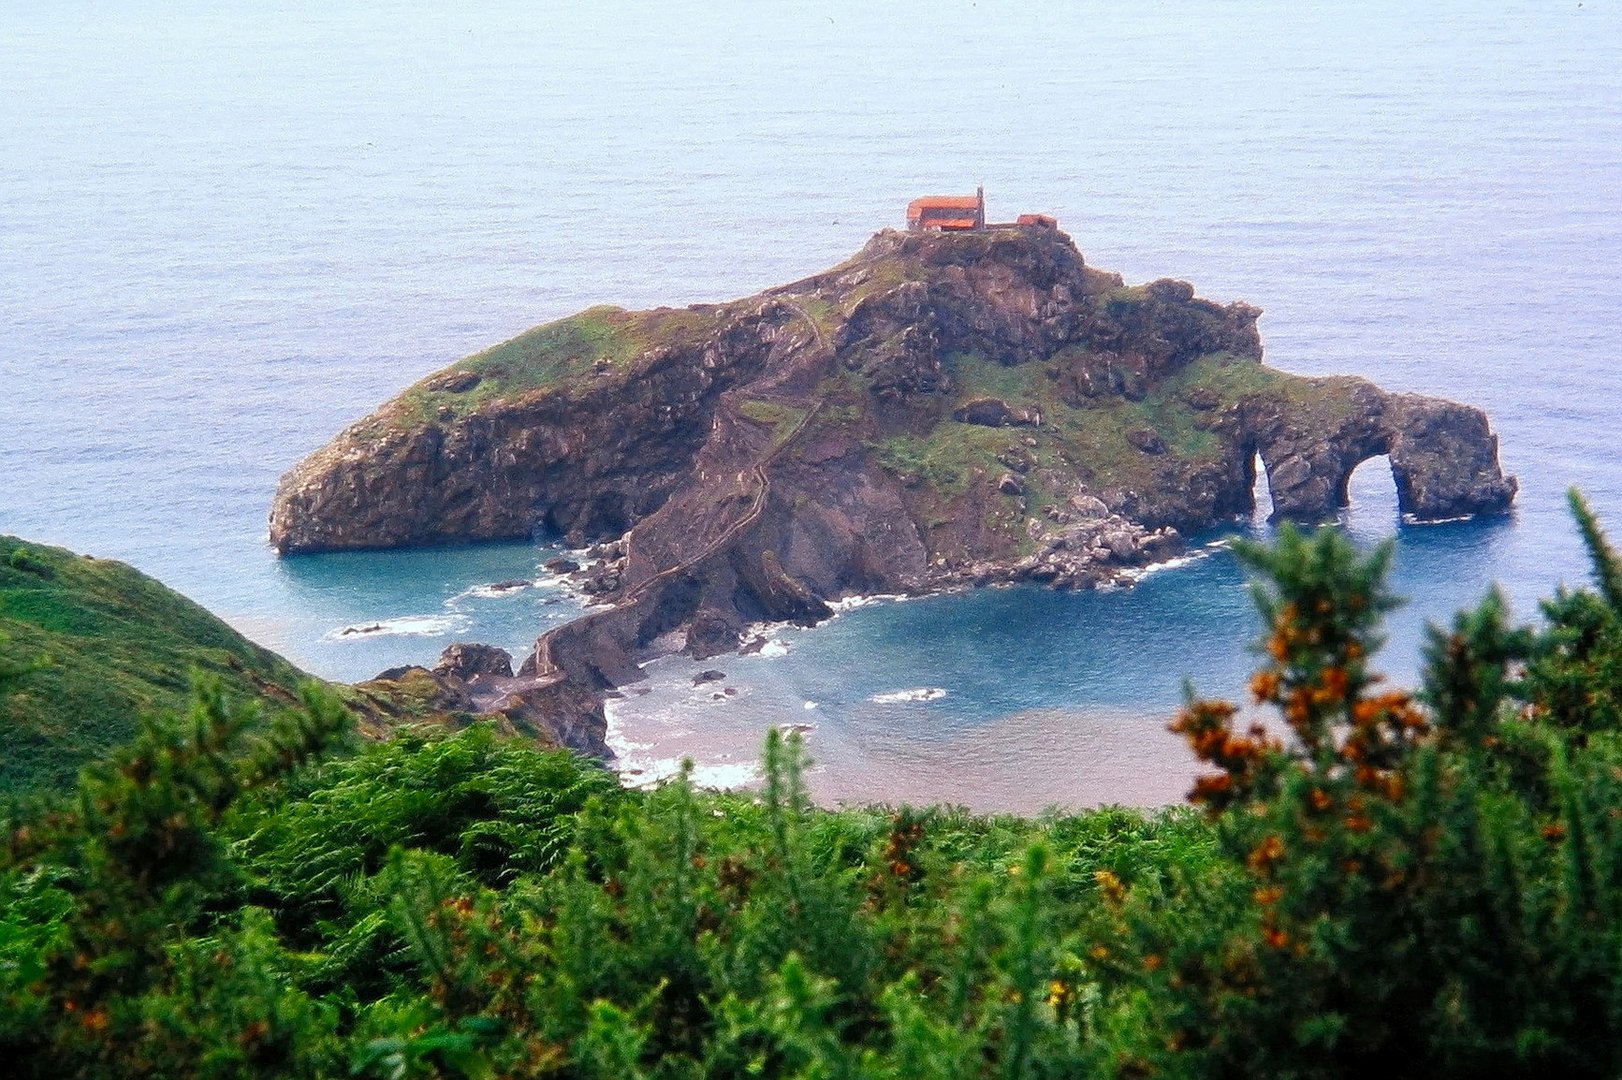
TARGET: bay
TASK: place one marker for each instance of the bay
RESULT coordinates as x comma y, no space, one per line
227,230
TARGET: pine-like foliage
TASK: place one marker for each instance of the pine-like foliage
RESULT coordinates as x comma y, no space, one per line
1373,881
128,870
1429,885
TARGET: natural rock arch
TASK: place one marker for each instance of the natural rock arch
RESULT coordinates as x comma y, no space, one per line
1369,498
1443,457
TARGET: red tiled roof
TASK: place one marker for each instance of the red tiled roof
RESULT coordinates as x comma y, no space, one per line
943,202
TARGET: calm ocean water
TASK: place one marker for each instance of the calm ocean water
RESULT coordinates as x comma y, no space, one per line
226,231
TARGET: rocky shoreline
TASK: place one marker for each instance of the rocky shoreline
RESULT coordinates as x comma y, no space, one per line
941,411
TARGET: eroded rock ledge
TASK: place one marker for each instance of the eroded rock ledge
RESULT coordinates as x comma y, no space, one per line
942,409
473,682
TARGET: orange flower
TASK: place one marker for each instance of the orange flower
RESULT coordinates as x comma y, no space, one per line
1275,937
1267,853
1270,894
1210,788
1264,685
1061,994
1320,799
1152,962
1110,885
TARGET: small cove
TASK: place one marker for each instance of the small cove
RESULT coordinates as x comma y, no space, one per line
230,234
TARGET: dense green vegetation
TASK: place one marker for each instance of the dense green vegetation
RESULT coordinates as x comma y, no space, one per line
1093,436
114,643
1369,882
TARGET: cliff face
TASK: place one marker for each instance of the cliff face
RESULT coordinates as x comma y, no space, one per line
942,408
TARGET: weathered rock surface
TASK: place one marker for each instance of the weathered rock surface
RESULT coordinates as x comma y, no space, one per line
943,409
467,660
992,412
475,682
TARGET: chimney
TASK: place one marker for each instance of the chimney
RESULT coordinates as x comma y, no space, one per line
980,211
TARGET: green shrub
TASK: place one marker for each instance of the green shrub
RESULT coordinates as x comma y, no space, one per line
1374,881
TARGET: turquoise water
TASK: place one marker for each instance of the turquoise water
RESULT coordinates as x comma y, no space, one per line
226,232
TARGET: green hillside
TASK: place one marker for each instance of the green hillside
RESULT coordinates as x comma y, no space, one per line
1376,883
87,645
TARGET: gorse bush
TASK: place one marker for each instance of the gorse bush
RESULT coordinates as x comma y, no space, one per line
1369,881
1426,886
109,927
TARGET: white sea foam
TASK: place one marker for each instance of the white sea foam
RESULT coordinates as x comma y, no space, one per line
724,776
405,625
727,777
897,697
1138,573
851,603
496,591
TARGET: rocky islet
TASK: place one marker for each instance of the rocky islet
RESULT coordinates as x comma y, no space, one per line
940,410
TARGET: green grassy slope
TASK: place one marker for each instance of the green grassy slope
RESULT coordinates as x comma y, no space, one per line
95,643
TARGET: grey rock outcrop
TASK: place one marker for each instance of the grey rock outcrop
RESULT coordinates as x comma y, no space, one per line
939,410
475,682
467,660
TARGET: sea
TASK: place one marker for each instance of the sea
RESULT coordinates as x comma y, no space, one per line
227,230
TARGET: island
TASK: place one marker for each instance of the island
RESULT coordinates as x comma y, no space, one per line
952,406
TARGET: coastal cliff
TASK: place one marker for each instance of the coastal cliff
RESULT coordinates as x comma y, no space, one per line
941,409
